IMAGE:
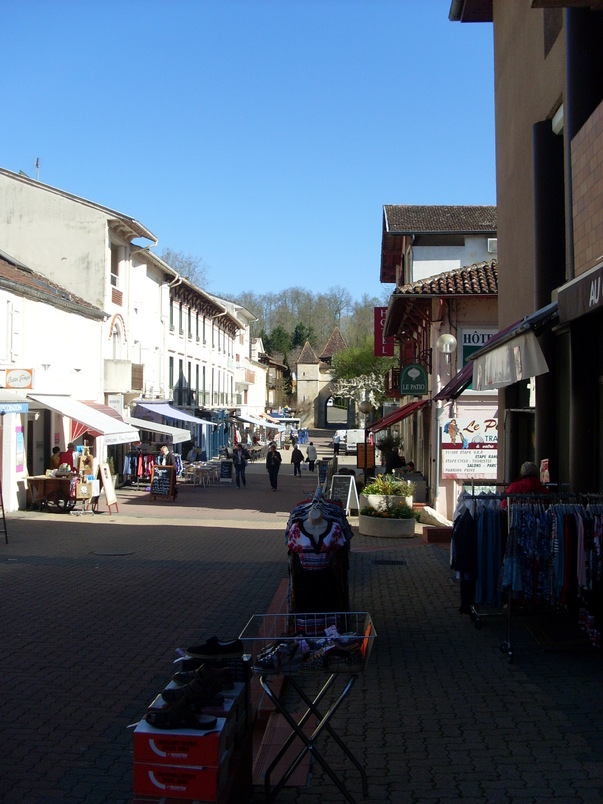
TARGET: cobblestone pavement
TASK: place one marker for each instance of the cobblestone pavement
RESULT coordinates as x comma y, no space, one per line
94,606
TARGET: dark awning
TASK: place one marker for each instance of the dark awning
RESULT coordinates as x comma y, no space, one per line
513,354
397,415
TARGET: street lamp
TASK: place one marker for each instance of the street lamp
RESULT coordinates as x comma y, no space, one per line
365,407
446,344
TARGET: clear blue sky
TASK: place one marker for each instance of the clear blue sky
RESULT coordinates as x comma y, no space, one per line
263,136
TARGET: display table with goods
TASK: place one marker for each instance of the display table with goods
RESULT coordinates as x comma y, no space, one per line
60,494
303,646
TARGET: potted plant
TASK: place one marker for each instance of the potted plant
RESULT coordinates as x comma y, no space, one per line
396,522
387,491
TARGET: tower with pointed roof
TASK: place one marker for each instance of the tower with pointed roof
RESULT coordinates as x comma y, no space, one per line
313,379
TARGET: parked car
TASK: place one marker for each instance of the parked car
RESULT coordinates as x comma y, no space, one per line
352,439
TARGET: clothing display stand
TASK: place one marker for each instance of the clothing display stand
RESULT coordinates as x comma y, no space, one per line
5,531
294,646
547,557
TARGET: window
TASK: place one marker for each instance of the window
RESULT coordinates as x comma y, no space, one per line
171,315
171,373
203,329
203,385
190,323
197,384
197,325
189,383
115,265
180,380
180,325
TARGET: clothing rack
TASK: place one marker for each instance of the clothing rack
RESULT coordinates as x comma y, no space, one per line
527,550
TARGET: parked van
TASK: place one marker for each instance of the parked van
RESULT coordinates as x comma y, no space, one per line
352,439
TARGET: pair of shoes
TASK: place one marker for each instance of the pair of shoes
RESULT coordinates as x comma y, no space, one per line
198,692
218,675
179,716
214,648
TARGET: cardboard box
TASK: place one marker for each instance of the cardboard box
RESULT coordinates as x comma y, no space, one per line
180,781
181,746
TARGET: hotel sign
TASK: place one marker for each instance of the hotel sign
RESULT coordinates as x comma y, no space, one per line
582,295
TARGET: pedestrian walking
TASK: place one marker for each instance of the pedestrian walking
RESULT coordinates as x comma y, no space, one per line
297,457
311,456
240,462
273,464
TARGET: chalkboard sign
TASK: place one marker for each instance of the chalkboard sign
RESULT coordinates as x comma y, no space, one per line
225,471
343,490
163,482
365,457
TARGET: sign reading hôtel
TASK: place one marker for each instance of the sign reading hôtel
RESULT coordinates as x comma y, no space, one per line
582,295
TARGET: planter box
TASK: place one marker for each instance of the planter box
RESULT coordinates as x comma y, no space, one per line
381,502
386,528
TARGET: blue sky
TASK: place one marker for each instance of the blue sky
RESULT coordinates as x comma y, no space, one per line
263,136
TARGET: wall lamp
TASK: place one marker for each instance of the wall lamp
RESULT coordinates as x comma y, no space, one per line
446,344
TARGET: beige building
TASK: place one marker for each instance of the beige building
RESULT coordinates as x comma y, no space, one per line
548,72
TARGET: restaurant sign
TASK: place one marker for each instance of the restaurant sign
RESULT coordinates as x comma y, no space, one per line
413,380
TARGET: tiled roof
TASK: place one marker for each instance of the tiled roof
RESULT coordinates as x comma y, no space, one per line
481,278
19,279
406,219
335,344
307,355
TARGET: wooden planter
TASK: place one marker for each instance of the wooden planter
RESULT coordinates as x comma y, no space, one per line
386,528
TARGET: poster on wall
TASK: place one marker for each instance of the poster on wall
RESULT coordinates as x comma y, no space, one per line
469,447
20,451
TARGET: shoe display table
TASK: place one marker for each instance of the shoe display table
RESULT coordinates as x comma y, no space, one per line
299,646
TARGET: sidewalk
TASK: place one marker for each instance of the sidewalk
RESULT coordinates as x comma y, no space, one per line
94,606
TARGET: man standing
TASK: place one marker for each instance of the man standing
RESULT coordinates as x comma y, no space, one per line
336,441
273,464
167,458
312,455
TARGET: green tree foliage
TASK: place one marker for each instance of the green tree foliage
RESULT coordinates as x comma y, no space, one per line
360,360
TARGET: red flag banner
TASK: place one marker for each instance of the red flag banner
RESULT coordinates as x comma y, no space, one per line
384,347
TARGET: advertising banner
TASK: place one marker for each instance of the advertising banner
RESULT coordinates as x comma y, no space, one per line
384,347
469,448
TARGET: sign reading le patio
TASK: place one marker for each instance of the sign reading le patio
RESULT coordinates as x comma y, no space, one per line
413,380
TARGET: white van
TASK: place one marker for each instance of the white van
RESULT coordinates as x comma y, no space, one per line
353,438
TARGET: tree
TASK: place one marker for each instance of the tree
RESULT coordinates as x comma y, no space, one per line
195,269
358,374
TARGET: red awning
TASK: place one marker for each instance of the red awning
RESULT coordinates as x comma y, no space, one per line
397,415
457,384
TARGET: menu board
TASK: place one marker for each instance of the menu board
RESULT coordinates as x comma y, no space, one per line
108,486
343,490
163,482
225,471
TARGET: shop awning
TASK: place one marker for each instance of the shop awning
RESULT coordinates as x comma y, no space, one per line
514,356
457,384
163,409
398,415
256,422
113,429
176,434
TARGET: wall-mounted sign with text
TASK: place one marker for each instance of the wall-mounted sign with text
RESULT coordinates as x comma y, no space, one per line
384,347
413,380
19,378
470,447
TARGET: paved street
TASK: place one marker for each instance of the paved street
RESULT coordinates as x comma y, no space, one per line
94,606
